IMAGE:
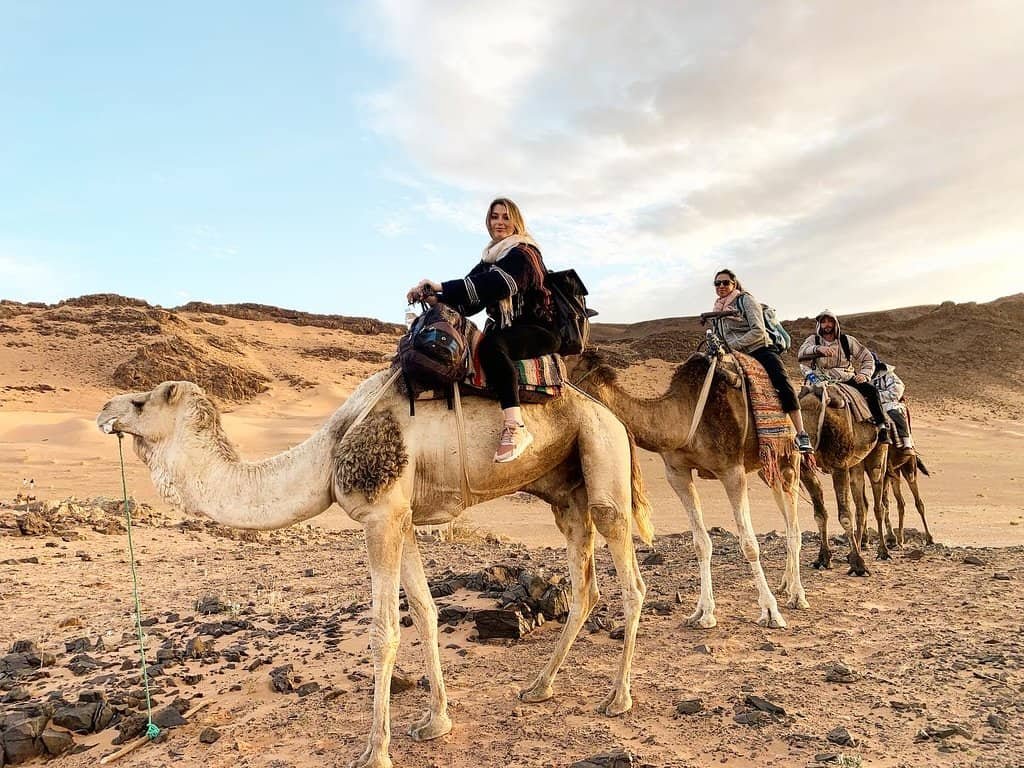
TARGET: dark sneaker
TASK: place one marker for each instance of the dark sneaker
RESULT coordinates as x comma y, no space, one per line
513,441
803,443
883,435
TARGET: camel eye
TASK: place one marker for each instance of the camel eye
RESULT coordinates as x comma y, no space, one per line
138,404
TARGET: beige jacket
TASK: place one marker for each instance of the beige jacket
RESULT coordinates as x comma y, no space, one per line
746,331
834,364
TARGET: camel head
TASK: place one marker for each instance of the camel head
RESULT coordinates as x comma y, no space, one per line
165,413
594,365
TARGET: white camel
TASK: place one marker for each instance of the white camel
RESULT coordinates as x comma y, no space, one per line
390,472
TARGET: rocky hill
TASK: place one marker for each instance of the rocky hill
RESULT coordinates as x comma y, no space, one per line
948,353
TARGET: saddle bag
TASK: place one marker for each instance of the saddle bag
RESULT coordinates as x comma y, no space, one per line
432,354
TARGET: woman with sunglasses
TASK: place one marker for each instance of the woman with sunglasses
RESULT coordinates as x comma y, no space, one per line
744,331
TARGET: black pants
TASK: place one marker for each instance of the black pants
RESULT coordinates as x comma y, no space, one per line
500,347
773,365
867,389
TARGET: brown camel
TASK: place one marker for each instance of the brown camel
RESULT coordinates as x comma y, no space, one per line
847,450
903,463
390,472
718,448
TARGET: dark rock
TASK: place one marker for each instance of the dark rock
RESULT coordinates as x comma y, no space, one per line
104,716
83,664
57,742
210,604
555,601
452,614
690,707
619,633
703,648
765,706
131,727
401,681
168,717
15,695
406,621
946,730
77,718
196,648
21,740
91,697
25,646
838,672
209,735
1001,576
998,723
842,737
973,560
33,524
654,558
661,607
619,758
307,688
282,679
78,645
309,573
500,623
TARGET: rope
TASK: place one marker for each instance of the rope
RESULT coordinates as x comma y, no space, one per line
152,730
701,401
460,427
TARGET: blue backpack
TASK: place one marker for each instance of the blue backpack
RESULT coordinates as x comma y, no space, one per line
778,337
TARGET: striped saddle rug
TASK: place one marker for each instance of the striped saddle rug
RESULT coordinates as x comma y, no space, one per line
540,378
775,433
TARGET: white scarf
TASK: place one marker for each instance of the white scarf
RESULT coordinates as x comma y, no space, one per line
497,250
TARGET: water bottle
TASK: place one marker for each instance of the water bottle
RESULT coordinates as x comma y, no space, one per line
410,316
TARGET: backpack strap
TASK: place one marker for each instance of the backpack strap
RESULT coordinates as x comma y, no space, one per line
844,341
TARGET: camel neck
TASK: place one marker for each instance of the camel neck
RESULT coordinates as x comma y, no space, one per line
657,424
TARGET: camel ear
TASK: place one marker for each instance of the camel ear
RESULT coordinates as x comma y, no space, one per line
172,393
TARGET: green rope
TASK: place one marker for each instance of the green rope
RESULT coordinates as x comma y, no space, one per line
152,730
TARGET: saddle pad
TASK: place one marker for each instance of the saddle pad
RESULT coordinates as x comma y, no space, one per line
542,376
855,401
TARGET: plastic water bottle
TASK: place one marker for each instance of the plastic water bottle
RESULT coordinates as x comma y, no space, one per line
410,316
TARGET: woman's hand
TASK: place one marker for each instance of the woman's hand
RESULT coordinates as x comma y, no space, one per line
424,290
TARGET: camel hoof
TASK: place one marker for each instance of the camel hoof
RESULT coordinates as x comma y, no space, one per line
929,540
772,620
536,694
798,601
371,760
883,556
701,619
431,728
616,705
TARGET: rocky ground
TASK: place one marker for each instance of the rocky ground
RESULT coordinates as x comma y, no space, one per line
920,664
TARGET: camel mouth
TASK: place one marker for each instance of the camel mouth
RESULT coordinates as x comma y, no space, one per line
107,427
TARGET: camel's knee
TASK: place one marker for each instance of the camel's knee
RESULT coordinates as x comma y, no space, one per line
384,638
702,544
751,549
424,612
609,519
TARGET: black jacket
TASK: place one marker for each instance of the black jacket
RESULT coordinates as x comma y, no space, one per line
518,275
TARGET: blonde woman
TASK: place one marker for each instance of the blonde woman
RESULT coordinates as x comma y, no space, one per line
509,283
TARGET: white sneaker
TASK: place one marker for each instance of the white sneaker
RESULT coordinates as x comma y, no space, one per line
514,439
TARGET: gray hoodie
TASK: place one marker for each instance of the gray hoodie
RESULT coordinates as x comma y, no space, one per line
834,364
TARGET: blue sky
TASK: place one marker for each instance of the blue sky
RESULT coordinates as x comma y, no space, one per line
325,156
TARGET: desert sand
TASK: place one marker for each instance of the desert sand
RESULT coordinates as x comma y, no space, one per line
931,639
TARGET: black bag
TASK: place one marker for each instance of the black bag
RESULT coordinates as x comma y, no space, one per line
572,318
433,352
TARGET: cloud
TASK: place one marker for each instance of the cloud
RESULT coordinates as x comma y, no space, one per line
838,143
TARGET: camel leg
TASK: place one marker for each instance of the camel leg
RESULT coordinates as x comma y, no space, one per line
681,480
874,466
841,484
860,503
810,480
614,523
911,476
575,524
386,529
735,482
435,722
786,501
901,506
891,539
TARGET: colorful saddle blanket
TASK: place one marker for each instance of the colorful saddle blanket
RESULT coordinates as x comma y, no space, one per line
775,432
540,378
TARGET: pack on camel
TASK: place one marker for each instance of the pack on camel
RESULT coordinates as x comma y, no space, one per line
718,448
847,450
390,472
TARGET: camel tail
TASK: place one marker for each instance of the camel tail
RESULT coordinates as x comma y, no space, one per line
922,467
641,504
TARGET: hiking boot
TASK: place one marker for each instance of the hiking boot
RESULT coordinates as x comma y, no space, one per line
883,434
803,443
514,439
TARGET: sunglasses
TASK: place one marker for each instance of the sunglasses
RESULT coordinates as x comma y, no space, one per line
722,283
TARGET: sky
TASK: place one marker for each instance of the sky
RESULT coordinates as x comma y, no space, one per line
325,156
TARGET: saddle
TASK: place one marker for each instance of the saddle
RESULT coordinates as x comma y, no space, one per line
842,396
541,379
